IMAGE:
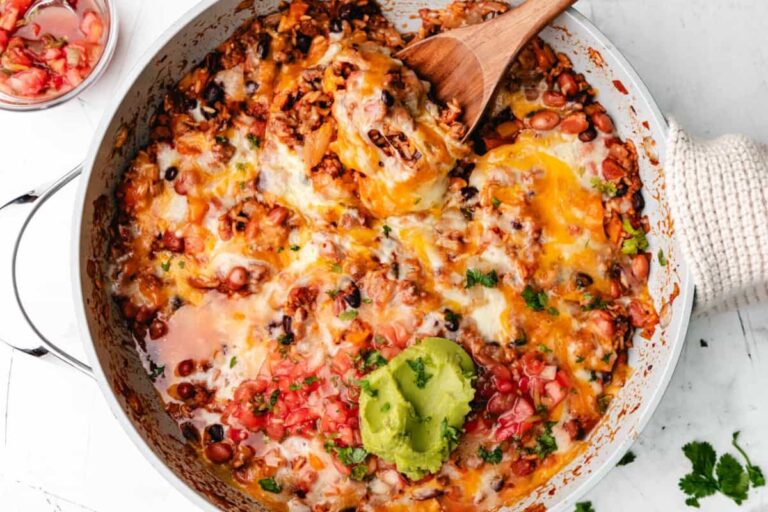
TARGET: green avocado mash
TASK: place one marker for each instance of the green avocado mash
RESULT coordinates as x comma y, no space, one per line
413,408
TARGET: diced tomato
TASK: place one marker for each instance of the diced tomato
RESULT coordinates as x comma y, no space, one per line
92,27
237,435
29,82
341,362
3,40
562,378
533,363
8,18
501,403
523,467
521,411
275,431
297,416
555,392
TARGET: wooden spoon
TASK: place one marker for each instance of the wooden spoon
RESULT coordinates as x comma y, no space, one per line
467,63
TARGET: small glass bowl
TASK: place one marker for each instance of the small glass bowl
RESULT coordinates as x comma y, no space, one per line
19,104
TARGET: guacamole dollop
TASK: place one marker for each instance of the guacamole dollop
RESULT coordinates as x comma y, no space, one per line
413,408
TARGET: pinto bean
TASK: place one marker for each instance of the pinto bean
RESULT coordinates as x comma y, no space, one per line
278,215
640,267
602,323
219,453
588,135
567,83
173,242
612,170
544,120
523,467
638,203
185,390
185,368
352,295
554,99
575,123
602,122
185,182
237,279
157,329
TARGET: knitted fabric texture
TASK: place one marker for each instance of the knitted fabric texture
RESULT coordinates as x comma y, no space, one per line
718,193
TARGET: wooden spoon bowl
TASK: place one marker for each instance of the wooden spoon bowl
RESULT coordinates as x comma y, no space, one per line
468,63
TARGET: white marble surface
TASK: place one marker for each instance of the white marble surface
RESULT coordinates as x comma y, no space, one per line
60,448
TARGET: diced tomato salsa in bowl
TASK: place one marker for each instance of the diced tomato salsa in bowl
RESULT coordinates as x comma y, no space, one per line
49,50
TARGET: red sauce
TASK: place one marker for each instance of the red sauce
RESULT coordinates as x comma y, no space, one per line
48,51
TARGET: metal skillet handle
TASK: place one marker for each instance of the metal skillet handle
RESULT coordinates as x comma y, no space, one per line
25,207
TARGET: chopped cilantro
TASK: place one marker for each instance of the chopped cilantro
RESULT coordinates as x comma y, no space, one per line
579,359
491,457
636,242
285,338
607,357
336,267
240,166
604,187
333,293
467,213
295,248
387,230
166,266
474,276
349,314
375,359
545,443
182,264
535,299
450,434
419,368
222,139
380,340
603,401
310,380
544,349
628,458
155,371
359,473
495,202
367,300
254,140
662,259
584,506
365,386
273,399
269,485
593,302
233,362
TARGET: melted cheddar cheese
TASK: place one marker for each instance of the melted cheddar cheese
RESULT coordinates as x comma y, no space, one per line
305,212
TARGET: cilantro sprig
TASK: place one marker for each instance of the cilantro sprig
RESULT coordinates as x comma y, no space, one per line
419,368
474,277
490,456
710,475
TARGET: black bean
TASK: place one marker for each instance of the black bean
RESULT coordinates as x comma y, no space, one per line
621,189
262,47
171,173
462,170
336,25
352,296
468,193
190,432
287,324
582,280
614,272
387,98
303,42
638,203
213,93
588,135
350,11
215,433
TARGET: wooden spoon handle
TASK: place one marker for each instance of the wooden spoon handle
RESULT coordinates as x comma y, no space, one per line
514,28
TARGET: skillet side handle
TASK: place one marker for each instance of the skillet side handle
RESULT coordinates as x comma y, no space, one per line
25,207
